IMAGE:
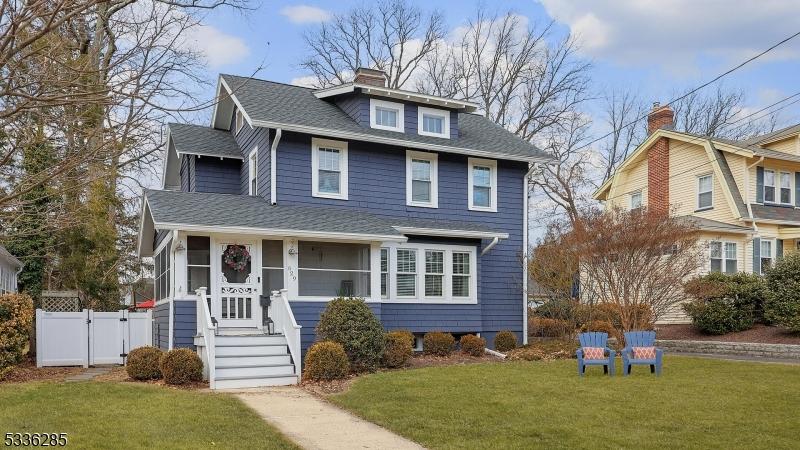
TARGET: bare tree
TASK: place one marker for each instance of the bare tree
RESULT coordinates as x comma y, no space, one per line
636,260
521,76
621,108
393,36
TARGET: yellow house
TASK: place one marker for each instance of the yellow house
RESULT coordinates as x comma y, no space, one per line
743,195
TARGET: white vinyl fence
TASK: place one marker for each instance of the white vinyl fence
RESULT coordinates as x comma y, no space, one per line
88,338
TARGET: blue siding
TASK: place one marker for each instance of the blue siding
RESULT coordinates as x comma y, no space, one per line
247,139
356,106
185,323
377,185
216,175
161,326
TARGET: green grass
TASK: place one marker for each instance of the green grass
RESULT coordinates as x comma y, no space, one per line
127,415
696,403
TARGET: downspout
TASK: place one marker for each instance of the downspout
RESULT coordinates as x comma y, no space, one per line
273,167
525,232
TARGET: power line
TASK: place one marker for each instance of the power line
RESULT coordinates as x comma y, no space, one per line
717,78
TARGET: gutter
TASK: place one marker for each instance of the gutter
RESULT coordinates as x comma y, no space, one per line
273,167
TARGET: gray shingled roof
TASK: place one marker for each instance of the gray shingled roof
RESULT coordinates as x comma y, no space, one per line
202,140
272,102
715,225
245,211
781,213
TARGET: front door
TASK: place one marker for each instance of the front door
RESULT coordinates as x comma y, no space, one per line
237,300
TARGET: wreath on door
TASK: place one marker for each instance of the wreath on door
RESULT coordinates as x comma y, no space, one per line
236,257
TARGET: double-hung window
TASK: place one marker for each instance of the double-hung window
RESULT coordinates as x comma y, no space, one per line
636,200
329,168
433,122
482,185
253,172
421,179
766,254
786,188
723,256
384,272
705,191
406,273
769,186
461,274
434,273
386,115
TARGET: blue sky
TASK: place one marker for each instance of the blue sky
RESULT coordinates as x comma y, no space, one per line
653,47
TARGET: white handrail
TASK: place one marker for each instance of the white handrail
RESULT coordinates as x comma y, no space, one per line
285,323
208,329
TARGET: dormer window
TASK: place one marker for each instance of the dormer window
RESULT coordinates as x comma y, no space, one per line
386,115
433,122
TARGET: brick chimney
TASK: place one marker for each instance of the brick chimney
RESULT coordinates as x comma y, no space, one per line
370,76
658,160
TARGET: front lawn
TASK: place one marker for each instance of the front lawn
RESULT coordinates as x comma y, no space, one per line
128,415
696,403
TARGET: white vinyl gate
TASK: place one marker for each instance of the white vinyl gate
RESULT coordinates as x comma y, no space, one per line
88,338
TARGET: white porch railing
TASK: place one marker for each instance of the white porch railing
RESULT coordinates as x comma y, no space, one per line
208,329
285,323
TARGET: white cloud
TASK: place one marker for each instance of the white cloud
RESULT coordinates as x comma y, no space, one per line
678,34
306,81
305,14
219,48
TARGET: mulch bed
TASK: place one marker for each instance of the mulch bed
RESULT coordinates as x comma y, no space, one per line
759,334
27,371
326,388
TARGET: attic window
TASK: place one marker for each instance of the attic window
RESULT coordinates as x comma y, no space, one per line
433,122
385,115
239,121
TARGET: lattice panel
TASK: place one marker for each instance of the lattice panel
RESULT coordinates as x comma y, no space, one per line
61,301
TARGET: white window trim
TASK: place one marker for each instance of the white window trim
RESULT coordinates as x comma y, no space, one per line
420,297
723,254
373,103
239,120
388,272
772,251
252,171
639,193
472,162
778,197
316,143
697,197
775,193
443,274
443,113
434,159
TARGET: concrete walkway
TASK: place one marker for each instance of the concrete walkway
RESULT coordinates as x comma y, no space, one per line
315,424
88,374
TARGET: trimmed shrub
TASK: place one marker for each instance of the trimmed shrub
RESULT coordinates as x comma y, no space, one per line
504,341
181,366
438,343
399,348
747,291
16,318
144,363
783,305
719,316
472,345
546,327
326,360
350,322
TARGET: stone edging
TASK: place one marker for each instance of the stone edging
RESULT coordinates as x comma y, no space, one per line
779,351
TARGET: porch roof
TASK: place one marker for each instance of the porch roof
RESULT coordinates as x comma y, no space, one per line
203,141
244,214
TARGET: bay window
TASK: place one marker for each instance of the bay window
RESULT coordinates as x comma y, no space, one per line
327,269
431,273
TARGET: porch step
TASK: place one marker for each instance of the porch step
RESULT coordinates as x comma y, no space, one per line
251,350
247,341
252,360
232,331
269,370
248,382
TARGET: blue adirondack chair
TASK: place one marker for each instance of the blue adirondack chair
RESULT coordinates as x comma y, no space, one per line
640,339
595,339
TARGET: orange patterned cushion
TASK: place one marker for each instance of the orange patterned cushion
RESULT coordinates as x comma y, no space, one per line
644,353
594,353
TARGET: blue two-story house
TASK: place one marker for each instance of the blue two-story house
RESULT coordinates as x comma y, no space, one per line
294,196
